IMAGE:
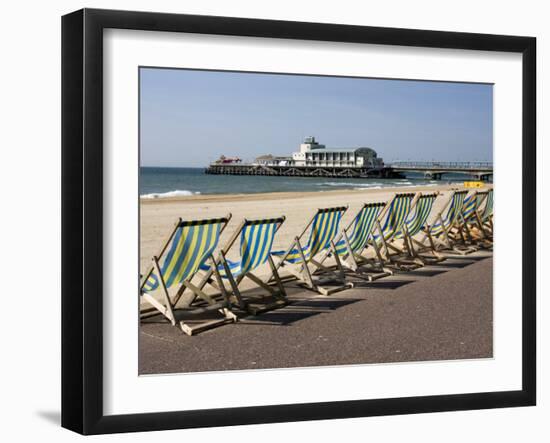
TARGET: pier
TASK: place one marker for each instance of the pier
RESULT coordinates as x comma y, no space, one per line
316,160
301,171
430,170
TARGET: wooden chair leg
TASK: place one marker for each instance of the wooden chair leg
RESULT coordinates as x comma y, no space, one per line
306,274
351,256
384,242
222,287
445,233
338,262
431,240
165,293
275,274
378,254
234,288
157,305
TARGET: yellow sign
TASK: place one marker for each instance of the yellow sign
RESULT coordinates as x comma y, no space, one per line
473,184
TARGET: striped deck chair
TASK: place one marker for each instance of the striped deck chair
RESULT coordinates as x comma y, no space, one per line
485,217
255,247
467,229
478,222
406,255
305,262
392,229
189,246
438,235
351,244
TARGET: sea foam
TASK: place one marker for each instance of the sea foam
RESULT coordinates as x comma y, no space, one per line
177,193
355,185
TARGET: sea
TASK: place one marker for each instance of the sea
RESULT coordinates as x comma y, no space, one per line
156,182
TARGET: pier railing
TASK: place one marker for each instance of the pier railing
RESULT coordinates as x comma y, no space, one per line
432,170
297,171
462,166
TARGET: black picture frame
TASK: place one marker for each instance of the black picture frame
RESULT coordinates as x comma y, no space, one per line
82,218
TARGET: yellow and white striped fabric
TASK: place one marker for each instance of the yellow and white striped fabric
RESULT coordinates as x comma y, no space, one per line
192,244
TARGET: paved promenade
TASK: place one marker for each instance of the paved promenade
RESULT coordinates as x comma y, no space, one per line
438,312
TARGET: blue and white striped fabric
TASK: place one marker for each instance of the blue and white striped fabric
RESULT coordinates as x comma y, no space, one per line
256,241
192,244
454,209
324,228
363,227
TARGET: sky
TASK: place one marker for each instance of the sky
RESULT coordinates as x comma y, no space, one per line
189,118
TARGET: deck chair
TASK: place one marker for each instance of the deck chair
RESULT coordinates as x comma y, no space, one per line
469,226
485,217
416,222
189,246
392,228
439,236
255,246
306,262
352,242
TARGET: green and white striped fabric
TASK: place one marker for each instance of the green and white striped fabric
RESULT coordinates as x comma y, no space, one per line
396,215
363,227
454,209
417,219
324,228
488,210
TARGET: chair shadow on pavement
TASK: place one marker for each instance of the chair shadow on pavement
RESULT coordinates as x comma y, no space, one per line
301,305
382,284
458,264
305,304
298,309
423,272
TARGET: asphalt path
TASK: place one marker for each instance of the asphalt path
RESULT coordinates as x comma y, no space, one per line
439,312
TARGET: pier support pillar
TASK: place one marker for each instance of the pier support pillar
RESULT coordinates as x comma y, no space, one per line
432,175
